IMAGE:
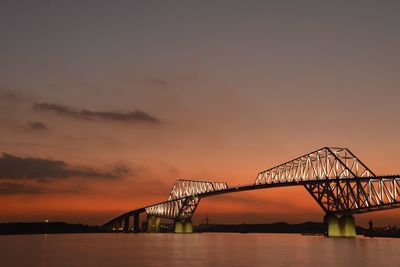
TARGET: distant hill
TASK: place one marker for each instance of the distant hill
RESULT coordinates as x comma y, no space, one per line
46,228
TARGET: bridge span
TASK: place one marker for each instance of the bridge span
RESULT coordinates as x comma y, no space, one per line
336,179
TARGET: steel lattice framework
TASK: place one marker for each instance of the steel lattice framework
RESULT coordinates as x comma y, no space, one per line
325,163
339,182
356,195
345,184
184,188
183,199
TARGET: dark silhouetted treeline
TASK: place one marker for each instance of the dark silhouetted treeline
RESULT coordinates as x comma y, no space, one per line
46,228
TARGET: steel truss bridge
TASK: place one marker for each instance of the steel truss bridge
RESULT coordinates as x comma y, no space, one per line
336,179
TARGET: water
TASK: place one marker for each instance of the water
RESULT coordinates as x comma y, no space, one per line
171,250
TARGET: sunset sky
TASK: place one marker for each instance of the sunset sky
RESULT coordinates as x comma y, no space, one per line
103,104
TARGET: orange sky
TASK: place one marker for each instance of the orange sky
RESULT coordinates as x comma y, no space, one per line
128,97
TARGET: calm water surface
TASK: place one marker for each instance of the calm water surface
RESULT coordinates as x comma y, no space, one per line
119,250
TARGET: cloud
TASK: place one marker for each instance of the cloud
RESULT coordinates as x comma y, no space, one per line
11,96
14,167
134,116
159,82
14,188
121,170
7,96
37,125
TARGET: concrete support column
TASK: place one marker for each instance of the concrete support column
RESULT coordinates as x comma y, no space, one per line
153,224
340,227
150,224
178,227
183,227
333,228
348,226
126,224
157,225
119,225
136,227
188,227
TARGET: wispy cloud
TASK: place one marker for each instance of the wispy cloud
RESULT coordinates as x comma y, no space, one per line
14,167
159,82
134,116
15,188
11,96
7,96
37,125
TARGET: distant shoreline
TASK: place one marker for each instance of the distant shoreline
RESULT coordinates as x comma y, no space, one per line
307,228
47,228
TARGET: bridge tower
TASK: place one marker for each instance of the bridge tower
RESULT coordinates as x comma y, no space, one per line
334,178
182,203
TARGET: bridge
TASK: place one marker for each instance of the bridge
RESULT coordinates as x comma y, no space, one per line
335,178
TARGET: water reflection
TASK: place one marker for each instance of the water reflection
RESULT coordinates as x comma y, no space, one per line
83,250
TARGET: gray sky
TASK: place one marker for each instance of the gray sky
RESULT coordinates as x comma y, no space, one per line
233,87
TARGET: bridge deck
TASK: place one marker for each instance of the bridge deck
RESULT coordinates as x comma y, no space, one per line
248,187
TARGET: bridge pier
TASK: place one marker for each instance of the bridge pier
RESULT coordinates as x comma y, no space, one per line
126,224
349,226
178,227
157,224
117,226
150,224
136,228
340,227
183,227
188,227
153,224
